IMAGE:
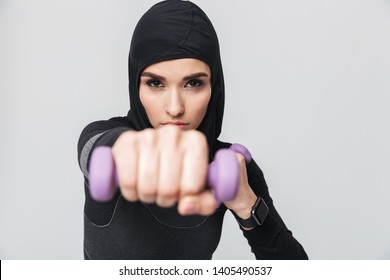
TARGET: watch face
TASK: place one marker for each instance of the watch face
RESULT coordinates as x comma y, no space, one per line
260,211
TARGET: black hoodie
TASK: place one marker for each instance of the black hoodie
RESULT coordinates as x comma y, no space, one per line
124,230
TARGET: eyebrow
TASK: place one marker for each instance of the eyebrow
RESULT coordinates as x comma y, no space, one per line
186,78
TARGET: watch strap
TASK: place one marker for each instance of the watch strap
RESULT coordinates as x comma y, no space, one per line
258,214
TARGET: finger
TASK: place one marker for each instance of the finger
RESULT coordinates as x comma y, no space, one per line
201,204
170,170
194,163
147,167
125,157
242,169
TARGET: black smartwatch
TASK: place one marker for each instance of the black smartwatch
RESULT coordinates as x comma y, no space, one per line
258,214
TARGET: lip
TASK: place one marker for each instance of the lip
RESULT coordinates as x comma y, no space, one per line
179,124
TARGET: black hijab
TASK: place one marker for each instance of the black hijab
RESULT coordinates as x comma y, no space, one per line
175,29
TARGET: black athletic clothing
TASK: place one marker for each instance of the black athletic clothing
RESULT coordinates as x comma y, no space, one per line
126,230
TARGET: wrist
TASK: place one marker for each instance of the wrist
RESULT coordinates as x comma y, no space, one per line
244,209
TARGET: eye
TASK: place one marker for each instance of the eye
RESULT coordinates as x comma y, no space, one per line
154,83
194,83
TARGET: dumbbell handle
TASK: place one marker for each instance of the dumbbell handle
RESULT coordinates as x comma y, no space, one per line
222,176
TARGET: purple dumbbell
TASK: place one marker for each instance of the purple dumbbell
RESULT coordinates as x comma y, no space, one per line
222,176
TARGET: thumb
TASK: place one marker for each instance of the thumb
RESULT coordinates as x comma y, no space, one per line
203,203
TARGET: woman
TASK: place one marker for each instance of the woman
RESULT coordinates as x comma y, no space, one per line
162,148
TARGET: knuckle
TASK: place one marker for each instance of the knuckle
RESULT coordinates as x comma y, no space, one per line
148,137
128,191
240,158
147,191
196,139
190,187
193,134
168,129
146,188
127,186
129,197
127,136
166,202
169,136
124,141
168,192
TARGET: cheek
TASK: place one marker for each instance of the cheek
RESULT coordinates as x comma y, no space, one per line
143,98
201,108
149,104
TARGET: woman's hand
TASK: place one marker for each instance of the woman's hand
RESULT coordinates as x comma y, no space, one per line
245,198
165,166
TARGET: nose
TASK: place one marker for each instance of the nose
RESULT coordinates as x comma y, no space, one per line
174,105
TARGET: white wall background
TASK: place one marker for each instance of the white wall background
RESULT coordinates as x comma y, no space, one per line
307,89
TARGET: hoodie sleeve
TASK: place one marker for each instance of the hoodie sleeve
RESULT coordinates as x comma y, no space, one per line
272,240
99,133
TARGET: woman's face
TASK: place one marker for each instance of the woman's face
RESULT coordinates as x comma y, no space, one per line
176,92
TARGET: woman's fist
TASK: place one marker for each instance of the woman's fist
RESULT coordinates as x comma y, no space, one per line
165,166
